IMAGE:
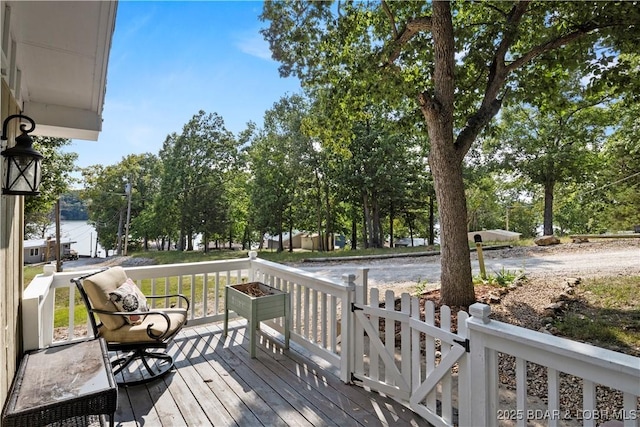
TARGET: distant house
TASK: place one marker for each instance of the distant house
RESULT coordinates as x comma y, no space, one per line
408,242
311,242
41,250
271,242
494,235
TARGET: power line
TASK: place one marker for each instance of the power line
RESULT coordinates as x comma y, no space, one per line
611,183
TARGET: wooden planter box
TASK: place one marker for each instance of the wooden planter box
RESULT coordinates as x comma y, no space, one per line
256,302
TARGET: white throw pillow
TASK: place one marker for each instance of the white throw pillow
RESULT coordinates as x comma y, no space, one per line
128,297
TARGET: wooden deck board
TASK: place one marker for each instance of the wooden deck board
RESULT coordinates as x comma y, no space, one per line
215,382
300,402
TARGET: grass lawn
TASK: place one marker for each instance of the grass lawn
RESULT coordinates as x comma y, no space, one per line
606,313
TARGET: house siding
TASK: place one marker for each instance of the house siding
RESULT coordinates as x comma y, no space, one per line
11,259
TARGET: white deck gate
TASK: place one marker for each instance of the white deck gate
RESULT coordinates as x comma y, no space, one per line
413,360
452,378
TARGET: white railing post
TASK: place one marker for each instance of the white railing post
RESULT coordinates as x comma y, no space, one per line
482,372
252,271
357,344
34,313
346,359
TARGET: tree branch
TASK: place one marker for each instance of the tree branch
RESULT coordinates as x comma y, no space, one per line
475,124
392,21
412,28
497,71
550,45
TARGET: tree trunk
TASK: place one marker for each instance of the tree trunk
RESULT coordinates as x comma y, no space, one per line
367,220
456,278
432,221
205,242
445,160
548,207
354,230
290,237
325,245
376,233
391,245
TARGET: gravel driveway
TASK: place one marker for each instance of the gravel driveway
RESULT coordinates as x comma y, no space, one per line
596,258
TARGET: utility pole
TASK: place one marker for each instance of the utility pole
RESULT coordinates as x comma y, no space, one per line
127,190
119,244
95,252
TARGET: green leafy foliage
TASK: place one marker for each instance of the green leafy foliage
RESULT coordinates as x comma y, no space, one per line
452,62
57,167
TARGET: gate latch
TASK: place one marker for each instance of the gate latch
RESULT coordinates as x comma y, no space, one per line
464,344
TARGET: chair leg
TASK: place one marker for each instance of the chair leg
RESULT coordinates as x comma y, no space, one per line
143,355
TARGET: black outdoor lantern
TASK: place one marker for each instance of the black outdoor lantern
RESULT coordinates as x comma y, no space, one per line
22,170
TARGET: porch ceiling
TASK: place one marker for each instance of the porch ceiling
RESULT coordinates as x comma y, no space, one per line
61,52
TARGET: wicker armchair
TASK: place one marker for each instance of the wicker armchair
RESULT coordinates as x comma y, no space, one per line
118,312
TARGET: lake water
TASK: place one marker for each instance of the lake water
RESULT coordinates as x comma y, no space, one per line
83,234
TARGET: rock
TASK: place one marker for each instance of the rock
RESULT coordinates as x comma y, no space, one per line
554,309
546,240
562,297
494,299
573,281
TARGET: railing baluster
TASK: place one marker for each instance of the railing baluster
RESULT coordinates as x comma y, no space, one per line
630,412
430,349
167,286
205,295
324,320
154,292
300,312
589,403
314,318
521,391
307,314
553,396
334,331
72,311
389,333
374,359
445,348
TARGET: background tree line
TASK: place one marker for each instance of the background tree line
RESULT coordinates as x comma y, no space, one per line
235,189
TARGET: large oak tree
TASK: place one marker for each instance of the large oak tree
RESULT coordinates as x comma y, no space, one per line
457,60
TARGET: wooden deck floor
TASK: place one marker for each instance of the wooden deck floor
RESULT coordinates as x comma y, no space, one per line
216,383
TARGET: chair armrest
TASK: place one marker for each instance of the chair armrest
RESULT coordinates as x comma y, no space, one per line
141,313
169,296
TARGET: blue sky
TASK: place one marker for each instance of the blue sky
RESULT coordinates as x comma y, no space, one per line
171,59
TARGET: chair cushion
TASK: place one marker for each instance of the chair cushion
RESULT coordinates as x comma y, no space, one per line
98,288
138,333
128,297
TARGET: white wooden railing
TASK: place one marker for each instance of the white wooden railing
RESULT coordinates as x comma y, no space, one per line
315,321
593,366
452,378
336,321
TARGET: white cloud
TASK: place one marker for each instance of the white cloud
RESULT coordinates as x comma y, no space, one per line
254,45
